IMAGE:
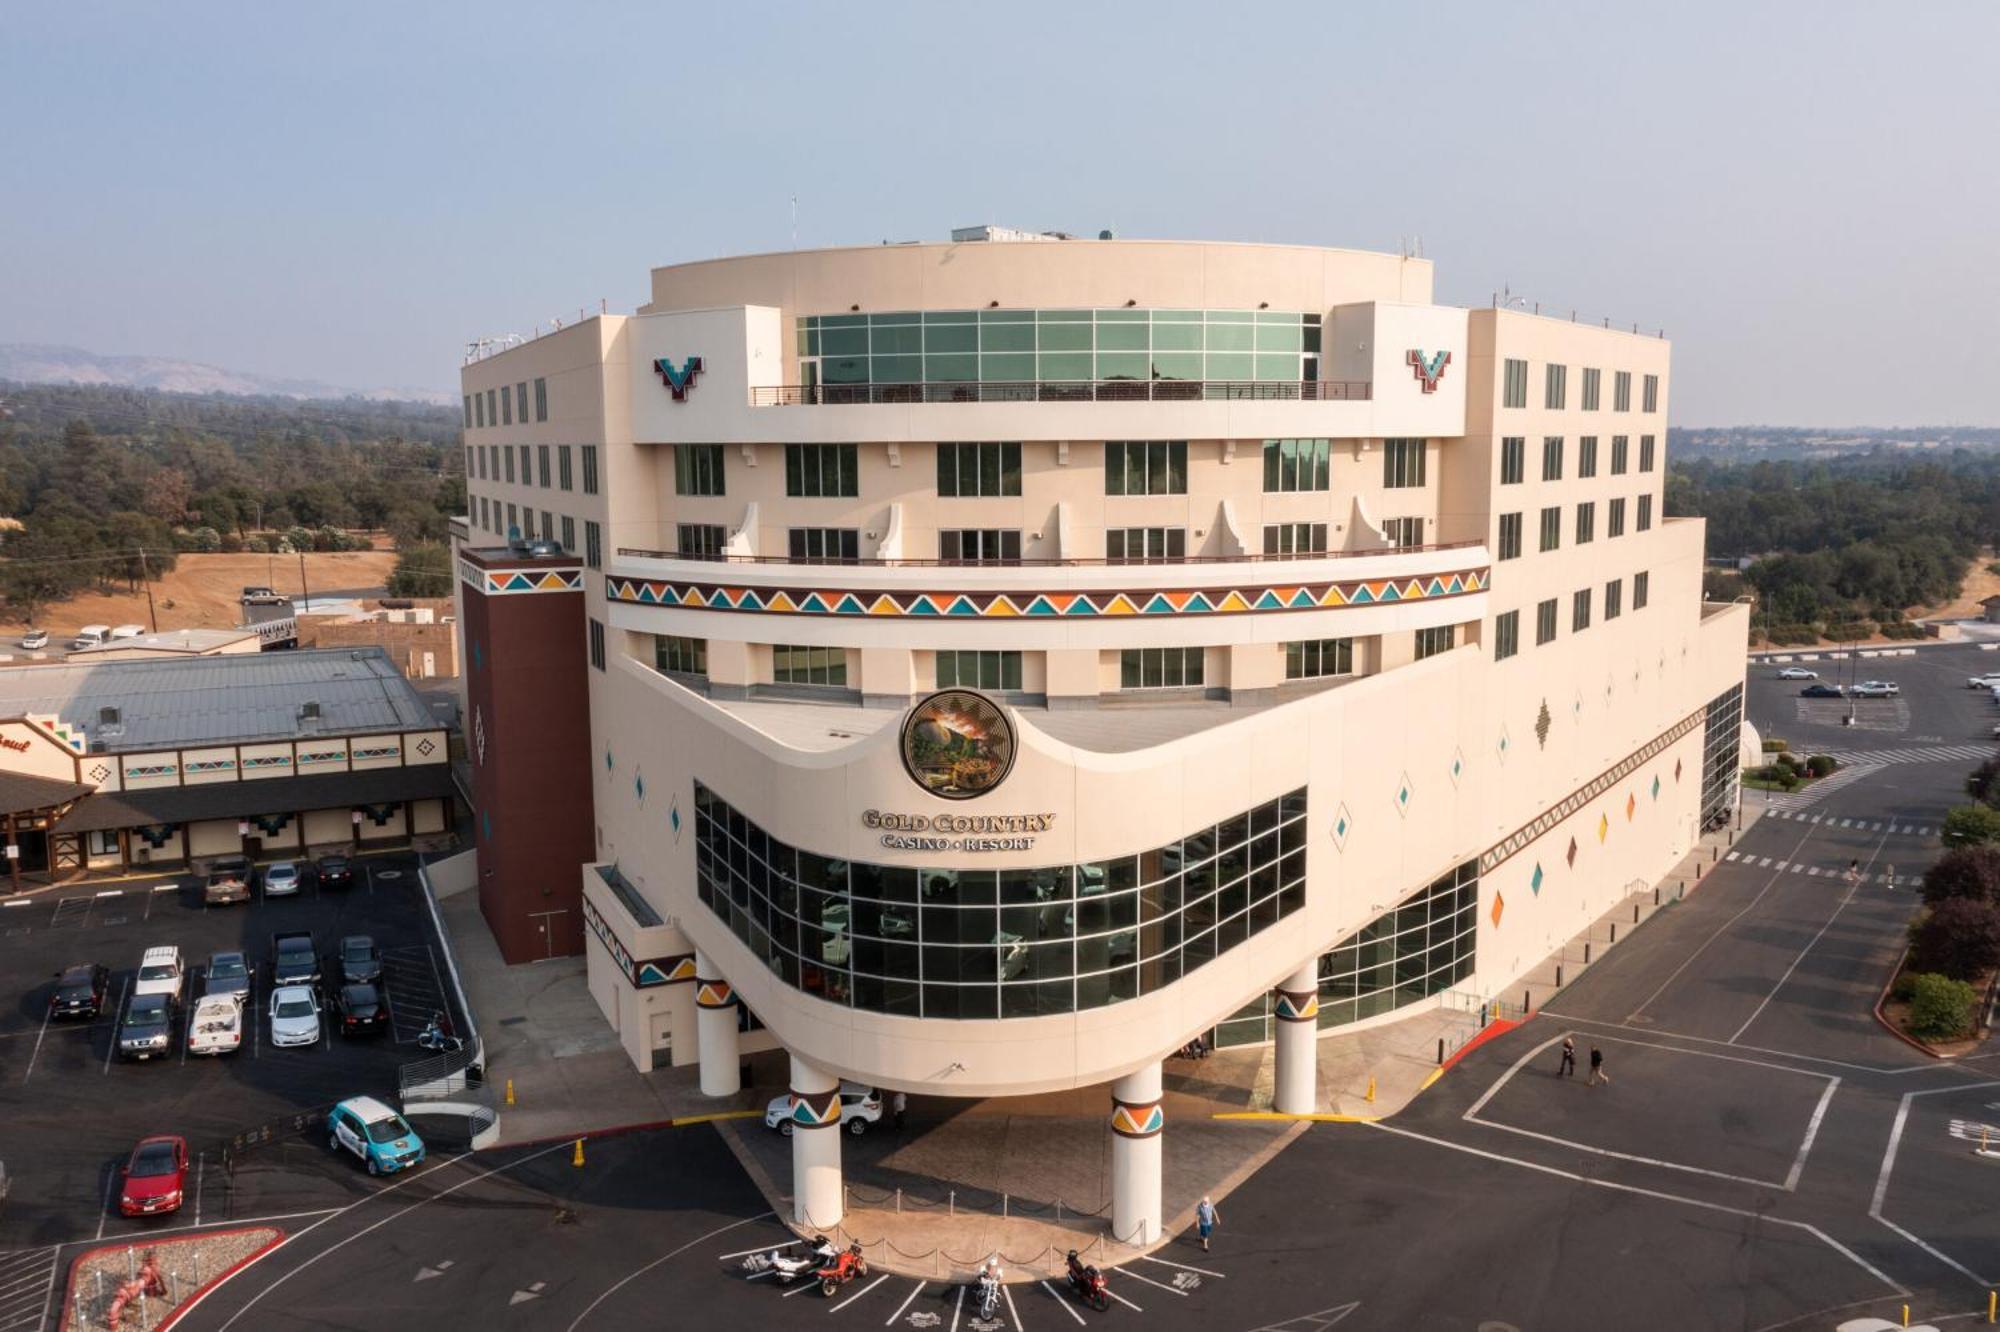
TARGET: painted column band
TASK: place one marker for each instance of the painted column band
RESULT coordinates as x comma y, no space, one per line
815,1109
1296,1005
1137,1119
713,993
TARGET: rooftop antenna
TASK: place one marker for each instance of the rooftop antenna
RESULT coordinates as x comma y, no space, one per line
795,221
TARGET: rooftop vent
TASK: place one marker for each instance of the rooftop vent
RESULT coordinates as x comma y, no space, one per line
309,710
107,716
987,232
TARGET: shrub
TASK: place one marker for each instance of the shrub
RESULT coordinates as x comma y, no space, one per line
1981,780
1773,745
1788,778
1791,635
1958,937
1970,872
1852,632
1820,765
1791,760
1971,825
1904,629
1940,1007
231,543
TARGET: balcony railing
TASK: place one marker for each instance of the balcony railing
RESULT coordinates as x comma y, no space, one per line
785,560
1108,390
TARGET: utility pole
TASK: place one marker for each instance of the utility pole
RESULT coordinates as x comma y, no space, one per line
146,578
305,594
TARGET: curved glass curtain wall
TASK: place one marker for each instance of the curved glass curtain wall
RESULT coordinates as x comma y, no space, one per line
972,943
1025,346
1422,946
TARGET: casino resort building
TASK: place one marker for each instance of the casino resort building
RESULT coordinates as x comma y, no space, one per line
980,668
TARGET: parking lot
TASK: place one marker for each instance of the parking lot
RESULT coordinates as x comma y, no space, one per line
73,1108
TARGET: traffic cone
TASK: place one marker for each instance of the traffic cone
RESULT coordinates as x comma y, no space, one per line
510,1091
577,1158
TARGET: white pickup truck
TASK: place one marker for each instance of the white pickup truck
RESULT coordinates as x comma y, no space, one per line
217,1025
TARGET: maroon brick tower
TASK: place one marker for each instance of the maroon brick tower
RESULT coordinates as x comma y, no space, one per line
528,741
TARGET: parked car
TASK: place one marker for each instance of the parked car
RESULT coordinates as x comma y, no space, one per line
125,631
859,1107
363,1009
379,1136
294,959
35,638
160,972
90,636
294,1016
154,1178
261,596
80,991
230,879
281,879
228,973
147,1031
334,872
360,961
1821,691
217,1025
1990,680
1877,689
1797,673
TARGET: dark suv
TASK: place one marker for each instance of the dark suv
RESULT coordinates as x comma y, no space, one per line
80,991
334,872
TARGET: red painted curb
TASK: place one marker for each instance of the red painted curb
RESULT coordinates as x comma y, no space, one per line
1497,1027
200,1292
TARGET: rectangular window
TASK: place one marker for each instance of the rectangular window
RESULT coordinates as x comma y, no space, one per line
1586,522
1545,622
681,656
468,411
979,670
597,644
1614,521
1645,523
1404,533
1586,456
1160,668
1510,536
541,399
1145,467
1555,388
593,545
1645,453
527,465
1649,394
479,409
979,545
978,469
513,523
1579,611
823,545
565,479
1506,635
701,541
1317,658
1552,523
697,469
569,534
492,408
1402,463
1592,378
1145,545
506,406
589,452
1620,455
809,666
1621,391
822,470
542,466
493,460
521,401
1552,458
485,515
1514,390
1614,598
1295,539
1430,642
1297,464
1513,460
548,526
479,457
1641,586
507,464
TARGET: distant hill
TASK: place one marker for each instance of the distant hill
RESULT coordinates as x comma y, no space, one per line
33,363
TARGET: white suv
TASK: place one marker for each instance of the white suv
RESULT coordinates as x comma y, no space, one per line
160,972
859,1107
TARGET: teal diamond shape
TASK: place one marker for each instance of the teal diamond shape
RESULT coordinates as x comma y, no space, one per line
1340,827
639,786
674,818
607,758
1535,882
1656,786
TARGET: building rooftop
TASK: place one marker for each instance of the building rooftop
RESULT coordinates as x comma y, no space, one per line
190,641
210,700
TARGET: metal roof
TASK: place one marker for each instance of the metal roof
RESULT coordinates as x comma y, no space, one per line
162,703
266,795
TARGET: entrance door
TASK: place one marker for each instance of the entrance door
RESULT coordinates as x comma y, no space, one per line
34,844
547,923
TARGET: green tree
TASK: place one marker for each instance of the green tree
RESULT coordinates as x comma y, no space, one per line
1971,825
1958,937
422,571
1970,872
1940,1007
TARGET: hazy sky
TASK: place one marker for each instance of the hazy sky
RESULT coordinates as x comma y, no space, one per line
1801,194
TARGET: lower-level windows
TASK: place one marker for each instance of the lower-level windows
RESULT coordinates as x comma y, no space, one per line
981,943
1579,613
979,545
1404,532
1295,539
979,670
683,656
1430,642
597,644
1159,668
1136,545
701,541
1506,635
824,545
1614,598
1317,657
1545,622
809,665
1425,945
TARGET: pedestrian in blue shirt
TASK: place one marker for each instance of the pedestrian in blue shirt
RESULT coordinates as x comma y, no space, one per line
1205,1217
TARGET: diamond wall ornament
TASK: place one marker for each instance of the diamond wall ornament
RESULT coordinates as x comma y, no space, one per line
1499,906
425,746
674,817
486,823
1572,853
1607,685
639,786
1603,826
1542,724
607,758
478,655
479,735
1535,880
1343,822
1576,706
1677,769
1631,803
1457,766
1504,743
1656,786
1404,791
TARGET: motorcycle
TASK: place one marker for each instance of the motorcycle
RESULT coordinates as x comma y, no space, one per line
843,1268
1088,1284
789,1268
436,1038
989,1296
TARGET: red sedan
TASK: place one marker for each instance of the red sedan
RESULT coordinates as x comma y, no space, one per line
155,1177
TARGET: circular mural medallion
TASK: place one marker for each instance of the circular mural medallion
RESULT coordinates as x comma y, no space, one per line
957,744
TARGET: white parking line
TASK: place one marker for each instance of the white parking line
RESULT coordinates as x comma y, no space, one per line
1171,1290
112,892
859,1293
38,1041
761,1248
957,1305
1122,1300
200,1162
906,1303
1008,1291
117,1020
1889,1165
19,901
1062,1303
1147,1257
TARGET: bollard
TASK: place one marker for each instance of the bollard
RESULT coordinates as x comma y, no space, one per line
1525,1005
1635,912
1614,931
1656,894
1003,1207
1992,1305
1906,1315
951,1203
1440,1049
1714,853
1559,975
899,1202
510,1091
1586,952
576,1159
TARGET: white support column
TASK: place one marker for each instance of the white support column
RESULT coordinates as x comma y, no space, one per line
1296,1004
715,1030
1136,1121
817,1195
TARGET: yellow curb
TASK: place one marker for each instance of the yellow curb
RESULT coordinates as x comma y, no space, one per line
1435,1074
1313,1119
684,1120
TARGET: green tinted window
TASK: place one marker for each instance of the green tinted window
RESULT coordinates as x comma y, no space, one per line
951,338
1065,337
1006,337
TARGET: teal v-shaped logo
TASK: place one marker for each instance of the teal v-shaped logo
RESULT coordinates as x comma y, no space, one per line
1429,369
679,381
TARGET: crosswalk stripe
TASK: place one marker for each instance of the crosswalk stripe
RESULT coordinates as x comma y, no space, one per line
1813,873
1783,864
1731,856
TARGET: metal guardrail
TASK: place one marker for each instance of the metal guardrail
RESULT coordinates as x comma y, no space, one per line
442,1075
637,552
1105,390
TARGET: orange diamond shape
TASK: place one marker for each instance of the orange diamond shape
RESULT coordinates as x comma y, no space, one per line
1499,905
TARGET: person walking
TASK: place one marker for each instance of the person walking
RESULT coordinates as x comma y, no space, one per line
899,1105
1567,1069
1205,1219
1597,1073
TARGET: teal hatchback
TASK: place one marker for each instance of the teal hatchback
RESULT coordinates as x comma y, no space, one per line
378,1135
